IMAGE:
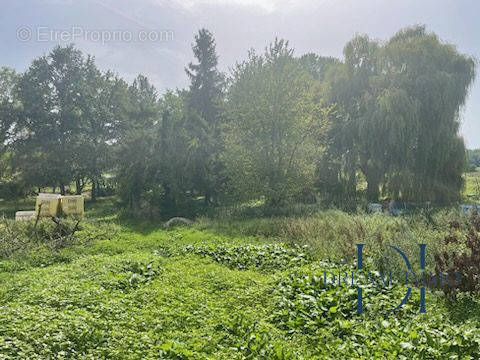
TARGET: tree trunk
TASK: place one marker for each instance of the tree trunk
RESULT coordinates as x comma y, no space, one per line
62,189
169,202
94,190
134,205
373,192
78,186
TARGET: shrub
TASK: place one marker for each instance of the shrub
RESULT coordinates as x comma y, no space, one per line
466,263
21,236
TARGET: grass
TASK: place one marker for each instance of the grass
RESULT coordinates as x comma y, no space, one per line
472,185
222,289
333,234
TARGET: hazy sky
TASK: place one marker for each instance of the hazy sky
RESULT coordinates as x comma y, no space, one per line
153,37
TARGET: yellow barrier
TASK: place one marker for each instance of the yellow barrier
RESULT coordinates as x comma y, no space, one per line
53,205
72,205
50,204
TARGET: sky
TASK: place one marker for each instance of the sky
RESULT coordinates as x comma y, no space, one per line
154,37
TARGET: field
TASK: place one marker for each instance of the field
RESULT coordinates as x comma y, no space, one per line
472,184
238,289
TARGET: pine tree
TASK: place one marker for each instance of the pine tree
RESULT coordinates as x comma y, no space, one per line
204,116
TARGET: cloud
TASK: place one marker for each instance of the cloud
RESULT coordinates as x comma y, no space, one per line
266,6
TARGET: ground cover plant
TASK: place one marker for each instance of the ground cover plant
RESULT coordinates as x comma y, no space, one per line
139,291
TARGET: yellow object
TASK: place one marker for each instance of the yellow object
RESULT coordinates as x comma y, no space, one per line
72,205
50,204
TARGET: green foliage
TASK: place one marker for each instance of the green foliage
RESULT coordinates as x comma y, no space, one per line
249,340
305,303
132,275
326,314
280,129
274,125
51,117
12,190
153,157
264,257
402,136
68,115
243,297
106,111
8,106
318,66
204,120
472,185
333,234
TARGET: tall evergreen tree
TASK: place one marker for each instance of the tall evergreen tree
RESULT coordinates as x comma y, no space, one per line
204,102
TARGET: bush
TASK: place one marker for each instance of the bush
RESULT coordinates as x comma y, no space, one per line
24,236
11,190
465,263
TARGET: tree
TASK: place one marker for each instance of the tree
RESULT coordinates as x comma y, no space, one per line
8,105
401,102
204,100
137,149
274,121
318,66
356,92
153,157
11,185
337,164
50,129
436,78
105,114
174,168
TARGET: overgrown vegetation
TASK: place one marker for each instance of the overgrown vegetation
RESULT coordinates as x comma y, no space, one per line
462,258
228,290
53,234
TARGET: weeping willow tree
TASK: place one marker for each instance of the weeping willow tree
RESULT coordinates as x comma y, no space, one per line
402,102
355,137
436,78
